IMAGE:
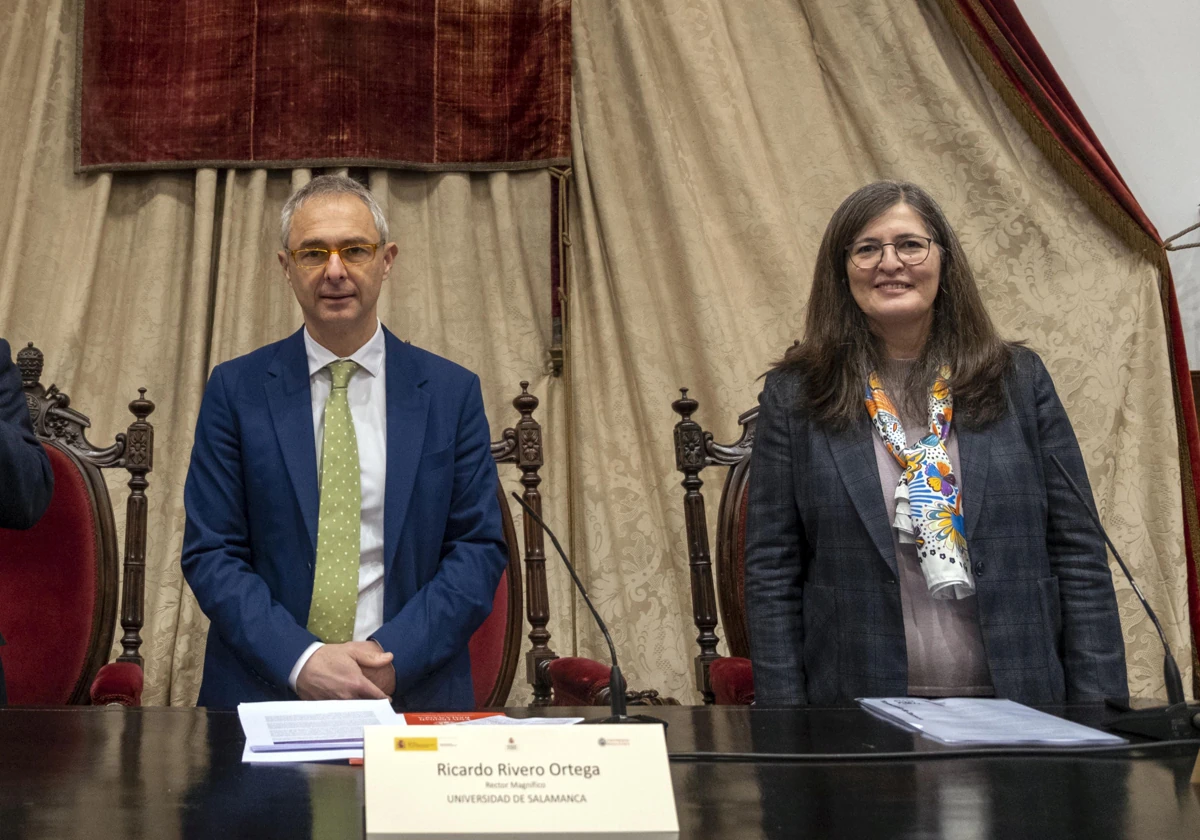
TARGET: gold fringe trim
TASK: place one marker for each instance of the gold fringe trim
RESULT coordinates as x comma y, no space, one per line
563,176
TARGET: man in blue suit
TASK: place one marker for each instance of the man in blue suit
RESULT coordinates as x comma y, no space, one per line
343,534
26,481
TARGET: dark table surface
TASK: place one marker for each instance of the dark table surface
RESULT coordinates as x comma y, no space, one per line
168,773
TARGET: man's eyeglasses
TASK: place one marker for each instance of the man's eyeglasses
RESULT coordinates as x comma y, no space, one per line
350,254
910,250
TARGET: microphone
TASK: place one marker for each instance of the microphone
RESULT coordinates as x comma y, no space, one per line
616,683
1176,720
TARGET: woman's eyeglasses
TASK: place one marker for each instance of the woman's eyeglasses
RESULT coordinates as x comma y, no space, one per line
910,250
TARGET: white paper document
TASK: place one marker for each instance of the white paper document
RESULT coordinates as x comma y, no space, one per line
288,732
299,756
984,721
318,730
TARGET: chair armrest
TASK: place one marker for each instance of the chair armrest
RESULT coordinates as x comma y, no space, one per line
732,679
118,683
577,681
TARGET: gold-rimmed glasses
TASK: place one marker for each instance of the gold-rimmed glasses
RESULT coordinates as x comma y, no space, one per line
910,250
357,254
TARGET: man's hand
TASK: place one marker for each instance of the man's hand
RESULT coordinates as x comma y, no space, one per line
384,676
341,672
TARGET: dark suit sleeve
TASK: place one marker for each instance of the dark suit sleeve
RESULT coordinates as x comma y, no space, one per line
216,549
1092,645
775,556
435,624
26,481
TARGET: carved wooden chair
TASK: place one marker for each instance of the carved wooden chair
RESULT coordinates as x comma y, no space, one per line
725,680
496,645
579,681
553,679
59,580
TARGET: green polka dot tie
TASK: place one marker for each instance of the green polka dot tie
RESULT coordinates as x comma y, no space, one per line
335,586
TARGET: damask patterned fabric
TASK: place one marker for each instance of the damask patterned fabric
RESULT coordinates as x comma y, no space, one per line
425,84
712,139
712,144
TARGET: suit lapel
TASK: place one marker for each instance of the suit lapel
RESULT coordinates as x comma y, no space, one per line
290,402
974,456
854,453
407,411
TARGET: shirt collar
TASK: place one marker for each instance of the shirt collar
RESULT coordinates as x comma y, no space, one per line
369,357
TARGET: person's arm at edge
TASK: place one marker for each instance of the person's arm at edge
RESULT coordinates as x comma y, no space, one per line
774,566
27,476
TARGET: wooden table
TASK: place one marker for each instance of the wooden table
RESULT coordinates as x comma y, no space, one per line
171,773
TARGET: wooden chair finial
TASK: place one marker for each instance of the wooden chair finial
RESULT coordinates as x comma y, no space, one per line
525,402
30,361
685,406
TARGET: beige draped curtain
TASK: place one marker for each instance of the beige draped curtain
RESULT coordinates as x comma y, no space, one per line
712,139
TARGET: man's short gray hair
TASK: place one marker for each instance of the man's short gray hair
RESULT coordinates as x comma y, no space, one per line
327,185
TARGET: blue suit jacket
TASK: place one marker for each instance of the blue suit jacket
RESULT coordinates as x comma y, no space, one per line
251,496
26,480
822,595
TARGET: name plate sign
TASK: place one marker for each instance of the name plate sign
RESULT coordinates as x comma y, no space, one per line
548,782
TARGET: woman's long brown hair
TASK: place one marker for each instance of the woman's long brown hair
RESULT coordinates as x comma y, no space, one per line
839,349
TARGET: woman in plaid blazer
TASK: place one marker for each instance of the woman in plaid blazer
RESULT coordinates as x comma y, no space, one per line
986,576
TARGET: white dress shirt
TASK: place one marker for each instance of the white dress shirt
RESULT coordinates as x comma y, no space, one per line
367,394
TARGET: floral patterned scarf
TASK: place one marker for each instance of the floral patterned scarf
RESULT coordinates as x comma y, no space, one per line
928,498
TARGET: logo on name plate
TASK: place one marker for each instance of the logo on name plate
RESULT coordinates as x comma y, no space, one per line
511,745
613,742
416,744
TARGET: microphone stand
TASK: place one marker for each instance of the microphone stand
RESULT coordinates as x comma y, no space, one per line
1178,720
616,682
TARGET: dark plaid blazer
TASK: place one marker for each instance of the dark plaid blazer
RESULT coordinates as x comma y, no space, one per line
26,481
822,593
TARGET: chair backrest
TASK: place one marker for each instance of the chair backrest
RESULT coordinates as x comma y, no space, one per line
496,645
59,580
695,449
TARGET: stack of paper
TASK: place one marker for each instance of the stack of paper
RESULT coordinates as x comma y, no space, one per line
329,730
970,720
320,730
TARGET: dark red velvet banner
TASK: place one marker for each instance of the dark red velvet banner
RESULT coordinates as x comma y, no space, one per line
422,84
998,27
